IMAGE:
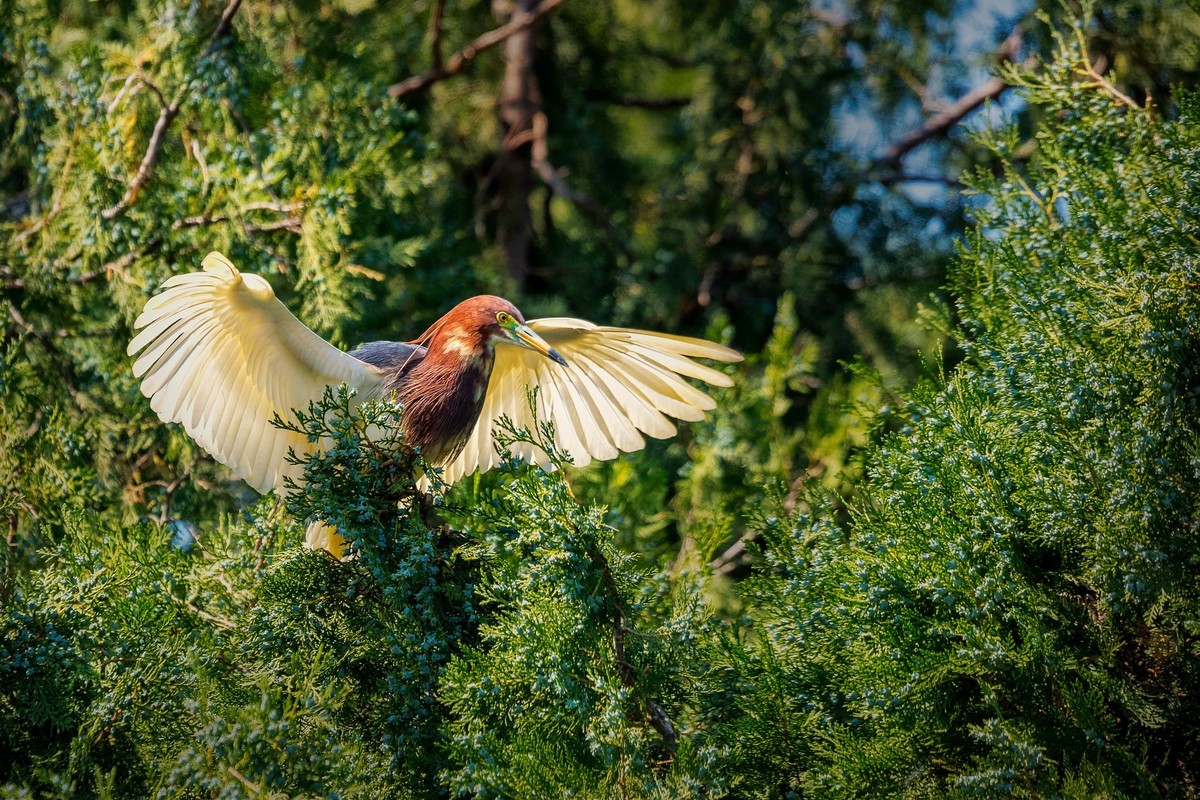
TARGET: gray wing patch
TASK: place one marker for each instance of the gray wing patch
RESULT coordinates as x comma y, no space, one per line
395,357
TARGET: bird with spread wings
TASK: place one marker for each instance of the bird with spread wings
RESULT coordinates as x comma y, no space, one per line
218,353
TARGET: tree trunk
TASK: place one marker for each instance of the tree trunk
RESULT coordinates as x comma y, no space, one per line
519,100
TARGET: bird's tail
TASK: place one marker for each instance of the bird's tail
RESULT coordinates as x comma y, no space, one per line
319,536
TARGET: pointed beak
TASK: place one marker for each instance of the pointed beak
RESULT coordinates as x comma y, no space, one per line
527,338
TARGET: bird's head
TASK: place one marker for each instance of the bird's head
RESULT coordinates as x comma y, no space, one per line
474,326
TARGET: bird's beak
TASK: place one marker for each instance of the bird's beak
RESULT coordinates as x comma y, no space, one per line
526,337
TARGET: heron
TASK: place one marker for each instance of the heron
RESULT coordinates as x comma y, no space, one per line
217,352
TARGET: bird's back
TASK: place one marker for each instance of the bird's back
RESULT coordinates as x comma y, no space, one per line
441,398
397,358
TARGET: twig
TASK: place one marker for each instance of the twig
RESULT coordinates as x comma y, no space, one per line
656,715
165,117
1100,82
435,33
241,121
731,559
292,224
224,25
253,787
463,58
889,162
939,124
220,622
153,151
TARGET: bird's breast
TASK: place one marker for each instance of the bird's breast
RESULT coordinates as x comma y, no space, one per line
441,404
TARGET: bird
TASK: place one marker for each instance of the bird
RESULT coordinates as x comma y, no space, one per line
217,352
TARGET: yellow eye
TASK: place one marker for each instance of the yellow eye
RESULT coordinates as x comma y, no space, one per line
504,318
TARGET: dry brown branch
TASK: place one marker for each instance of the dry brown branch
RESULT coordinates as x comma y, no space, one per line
153,151
166,116
1098,81
940,124
223,26
463,58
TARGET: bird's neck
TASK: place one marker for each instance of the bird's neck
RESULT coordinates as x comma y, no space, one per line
443,396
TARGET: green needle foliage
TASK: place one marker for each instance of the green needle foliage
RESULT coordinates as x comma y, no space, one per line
1007,605
1011,608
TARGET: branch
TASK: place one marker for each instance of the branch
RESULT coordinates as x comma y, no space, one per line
1095,72
224,25
165,117
153,151
435,35
540,160
940,124
889,163
656,715
463,58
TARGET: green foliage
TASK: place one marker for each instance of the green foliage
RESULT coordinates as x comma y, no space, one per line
434,660
981,586
1010,610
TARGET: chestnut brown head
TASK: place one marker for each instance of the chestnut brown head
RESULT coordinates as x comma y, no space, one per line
477,324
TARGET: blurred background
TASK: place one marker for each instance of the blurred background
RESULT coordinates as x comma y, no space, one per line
783,176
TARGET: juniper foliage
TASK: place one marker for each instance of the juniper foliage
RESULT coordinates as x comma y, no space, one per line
1011,607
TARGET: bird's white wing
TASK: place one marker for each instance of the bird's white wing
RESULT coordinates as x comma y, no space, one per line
618,384
221,355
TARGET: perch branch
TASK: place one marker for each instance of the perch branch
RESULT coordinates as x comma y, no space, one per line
940,124
463,58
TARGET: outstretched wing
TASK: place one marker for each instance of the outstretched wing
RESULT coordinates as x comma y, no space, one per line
222,356
618,384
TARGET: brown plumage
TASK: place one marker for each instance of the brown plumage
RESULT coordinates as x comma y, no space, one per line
440,377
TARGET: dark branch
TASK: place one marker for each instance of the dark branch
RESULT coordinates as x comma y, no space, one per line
463,58
540,160
656,715
153,151
435,34
224,25
886,169
940,124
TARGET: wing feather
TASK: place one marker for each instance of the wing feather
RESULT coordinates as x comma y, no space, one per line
622,430
620,384
219,353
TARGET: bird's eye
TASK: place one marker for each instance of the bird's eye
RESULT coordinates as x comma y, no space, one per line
504,318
